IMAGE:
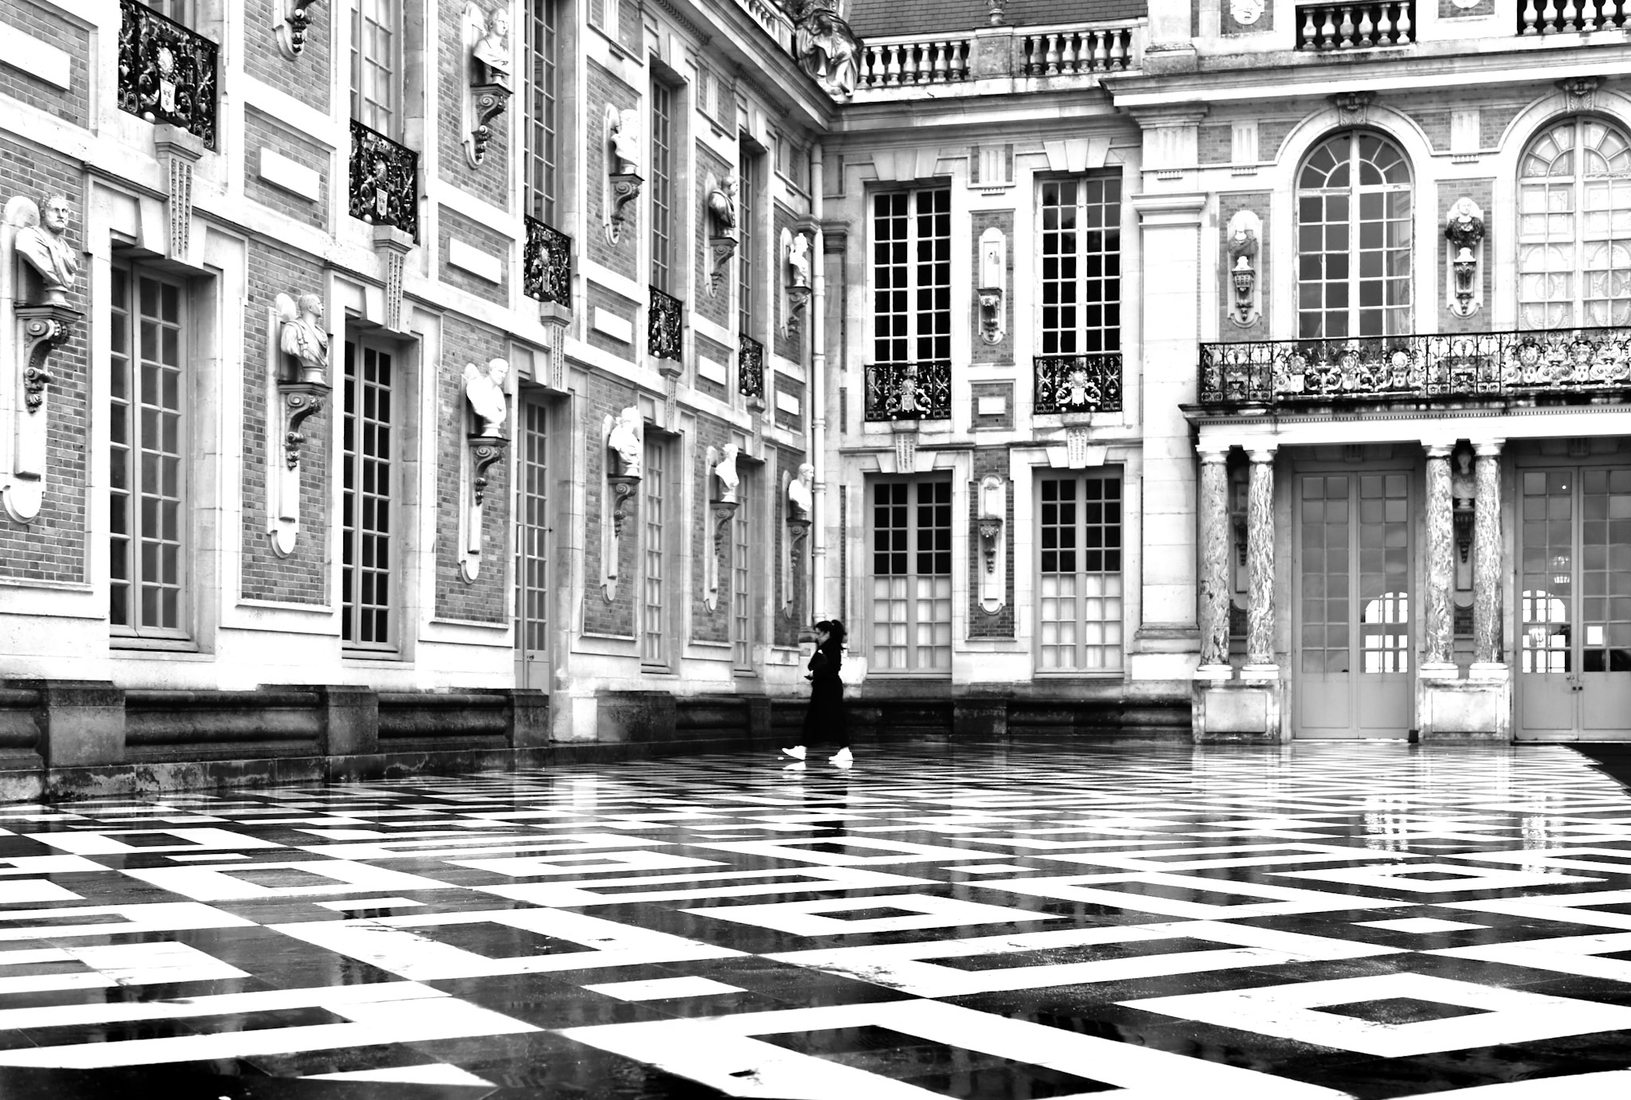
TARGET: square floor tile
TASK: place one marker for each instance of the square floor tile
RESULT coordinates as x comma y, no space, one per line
841,916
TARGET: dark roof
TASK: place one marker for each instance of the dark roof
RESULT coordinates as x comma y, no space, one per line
891,17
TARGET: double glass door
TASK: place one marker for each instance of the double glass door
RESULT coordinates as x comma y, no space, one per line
1574,602
1354,638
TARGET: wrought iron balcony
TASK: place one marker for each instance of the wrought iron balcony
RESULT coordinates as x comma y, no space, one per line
909,391
750,367
167,73
665,326
1344,25
1077,383
1553,363
384,180
546,265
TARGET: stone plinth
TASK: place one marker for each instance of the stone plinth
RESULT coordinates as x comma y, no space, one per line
1247,709
1478,708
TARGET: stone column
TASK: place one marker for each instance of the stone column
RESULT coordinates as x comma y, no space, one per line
1260,562
1214,553
1439,620
1486,556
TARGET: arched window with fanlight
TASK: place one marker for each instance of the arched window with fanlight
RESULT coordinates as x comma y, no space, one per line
1574,226
1353,238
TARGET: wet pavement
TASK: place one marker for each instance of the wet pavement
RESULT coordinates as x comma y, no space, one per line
977,921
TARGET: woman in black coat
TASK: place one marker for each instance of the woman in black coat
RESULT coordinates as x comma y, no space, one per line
825,714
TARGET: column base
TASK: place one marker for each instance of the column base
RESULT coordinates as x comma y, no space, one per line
1260,672
1448,708
1245,710
1215,672
1489,670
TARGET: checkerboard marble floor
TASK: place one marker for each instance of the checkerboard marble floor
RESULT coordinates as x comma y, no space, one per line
977,921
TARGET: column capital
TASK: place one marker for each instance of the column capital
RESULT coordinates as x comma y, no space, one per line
1213,452
1261,454
1439,450
1488,448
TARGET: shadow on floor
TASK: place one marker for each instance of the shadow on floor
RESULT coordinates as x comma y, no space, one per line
1613,758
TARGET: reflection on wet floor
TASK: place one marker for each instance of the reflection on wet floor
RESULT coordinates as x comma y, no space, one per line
976,921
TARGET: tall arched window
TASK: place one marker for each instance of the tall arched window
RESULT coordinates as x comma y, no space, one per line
1353,239
1574,227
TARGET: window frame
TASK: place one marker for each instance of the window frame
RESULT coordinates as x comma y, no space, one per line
665,133
1398,318
1080,594
126,363
904,635
351,532
912,335
383,116
652,615
1578,183
541,169
1108,333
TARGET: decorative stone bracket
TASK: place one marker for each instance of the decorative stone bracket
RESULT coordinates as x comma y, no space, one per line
1245,231
993,284
483,451
487,91
178,152
721,248
799,493
298,352
795,252
718,546
623,437
623,179
484,392
40,331
993,505
392,246
291,27
1464,255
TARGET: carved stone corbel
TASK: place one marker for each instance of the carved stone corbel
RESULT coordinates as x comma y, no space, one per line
41,330
993,506
799,493
178,151
623,438
392,246
795,252
487,91
623,177
484,392
291,27
297,344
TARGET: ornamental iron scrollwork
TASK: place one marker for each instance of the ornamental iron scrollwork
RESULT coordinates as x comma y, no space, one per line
384,180
909,391
1078,383
546,265
750,368
167,73
665,326
1558,363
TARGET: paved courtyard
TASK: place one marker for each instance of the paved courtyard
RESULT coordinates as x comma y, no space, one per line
993,921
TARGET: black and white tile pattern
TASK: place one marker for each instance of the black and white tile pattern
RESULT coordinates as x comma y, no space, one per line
1152,922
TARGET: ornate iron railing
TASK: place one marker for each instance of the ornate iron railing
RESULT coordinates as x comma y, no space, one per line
1077,383
384,180
750,367
1556,362
665,326
167,73
546,265
1345,25
909,391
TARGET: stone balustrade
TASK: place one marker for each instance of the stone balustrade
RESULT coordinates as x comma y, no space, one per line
1002,53
890,62
1351,26
1569,17
1062,51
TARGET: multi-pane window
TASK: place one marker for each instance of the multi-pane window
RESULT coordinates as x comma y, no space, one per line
1081,265
147,475
1079,582
911,275
911,576
747,237
653,577
367,519
662,185
376,50
532,591
542,154
1574,227
1353,239
742,577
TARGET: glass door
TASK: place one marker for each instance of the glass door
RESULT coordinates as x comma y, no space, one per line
1574,604
1353,607
532,534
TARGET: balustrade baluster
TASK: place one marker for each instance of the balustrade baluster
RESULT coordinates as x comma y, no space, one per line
1053,54
1589,19
1529,17
1067,53
1346,28
1384,25
1120,49
1328,31
1365,26
1102,41
892,69
1310,32
1548,18
963,49
942,62
1403,38
1570,16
